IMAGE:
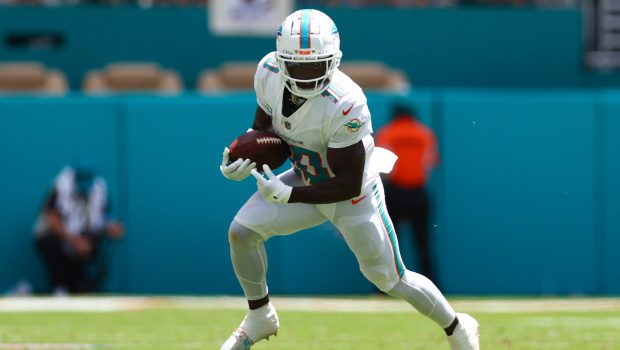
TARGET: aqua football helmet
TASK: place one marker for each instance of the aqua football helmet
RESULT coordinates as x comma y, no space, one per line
308,52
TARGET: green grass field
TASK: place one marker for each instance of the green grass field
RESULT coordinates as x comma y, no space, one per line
340,324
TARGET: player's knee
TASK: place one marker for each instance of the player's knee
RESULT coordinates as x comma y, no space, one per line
381,276
241,235
368,242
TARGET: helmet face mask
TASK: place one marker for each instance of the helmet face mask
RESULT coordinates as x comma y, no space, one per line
307,78
308,52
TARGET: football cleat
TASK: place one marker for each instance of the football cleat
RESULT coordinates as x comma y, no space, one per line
237,341
257,325
466,336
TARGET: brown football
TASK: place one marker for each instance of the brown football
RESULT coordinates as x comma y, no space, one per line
262,147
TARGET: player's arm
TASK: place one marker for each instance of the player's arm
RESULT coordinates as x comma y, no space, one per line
52,216
55,225
262,120
347,164
241,168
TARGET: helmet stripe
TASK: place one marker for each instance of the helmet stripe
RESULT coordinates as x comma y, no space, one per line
304,40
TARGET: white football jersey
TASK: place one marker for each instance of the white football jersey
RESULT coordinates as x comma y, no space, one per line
337,118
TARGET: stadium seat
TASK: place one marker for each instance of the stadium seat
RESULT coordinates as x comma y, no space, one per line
228,76
132,76
370,75
375,75
31,77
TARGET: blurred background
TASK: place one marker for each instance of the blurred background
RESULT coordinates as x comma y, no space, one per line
521,94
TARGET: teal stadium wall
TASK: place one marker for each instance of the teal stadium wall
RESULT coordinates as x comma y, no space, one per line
527,198
459,47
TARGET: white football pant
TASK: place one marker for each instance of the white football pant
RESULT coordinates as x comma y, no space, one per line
365,225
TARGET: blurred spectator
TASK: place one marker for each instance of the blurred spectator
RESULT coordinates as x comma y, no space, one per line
405,192
71,228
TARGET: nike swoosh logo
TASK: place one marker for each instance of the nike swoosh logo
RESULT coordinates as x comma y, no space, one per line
355,201
347,111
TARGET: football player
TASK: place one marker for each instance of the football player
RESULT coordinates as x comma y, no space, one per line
323,115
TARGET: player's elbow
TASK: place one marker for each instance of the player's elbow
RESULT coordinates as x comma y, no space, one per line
352,190
347,185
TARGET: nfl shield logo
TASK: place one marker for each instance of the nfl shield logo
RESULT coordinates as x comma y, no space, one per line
287,125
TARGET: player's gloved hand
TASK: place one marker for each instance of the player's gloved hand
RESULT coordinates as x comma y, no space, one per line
237,170
272,188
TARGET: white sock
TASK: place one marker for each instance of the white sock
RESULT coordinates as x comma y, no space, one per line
264,311
259,321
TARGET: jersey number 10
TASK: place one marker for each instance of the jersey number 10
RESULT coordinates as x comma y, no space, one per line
309,165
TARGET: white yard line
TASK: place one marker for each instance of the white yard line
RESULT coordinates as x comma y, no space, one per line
339,304
48,346
71,304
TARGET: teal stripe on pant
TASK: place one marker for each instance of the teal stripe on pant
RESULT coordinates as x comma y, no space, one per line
391,233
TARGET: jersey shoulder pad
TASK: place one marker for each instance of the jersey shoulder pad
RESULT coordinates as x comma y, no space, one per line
268,64
267,74
352,102
350,116
339,87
